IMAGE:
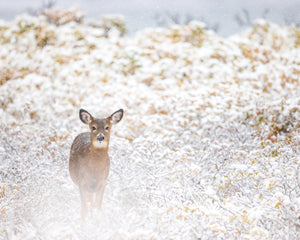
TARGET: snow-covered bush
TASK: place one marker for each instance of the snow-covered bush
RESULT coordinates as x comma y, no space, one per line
209,144
61,17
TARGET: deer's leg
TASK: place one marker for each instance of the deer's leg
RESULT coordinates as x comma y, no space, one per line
99,197
83,198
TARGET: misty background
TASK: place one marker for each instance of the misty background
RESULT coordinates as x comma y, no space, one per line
224,16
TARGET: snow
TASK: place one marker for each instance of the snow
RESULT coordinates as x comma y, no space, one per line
208,147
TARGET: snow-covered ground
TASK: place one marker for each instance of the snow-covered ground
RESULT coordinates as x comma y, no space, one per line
209,147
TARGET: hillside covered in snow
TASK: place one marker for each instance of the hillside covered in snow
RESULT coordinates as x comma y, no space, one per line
209,146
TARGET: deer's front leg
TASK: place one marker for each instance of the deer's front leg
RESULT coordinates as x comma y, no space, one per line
99,197
83,198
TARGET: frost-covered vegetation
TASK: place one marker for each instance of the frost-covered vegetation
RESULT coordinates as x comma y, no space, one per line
209,147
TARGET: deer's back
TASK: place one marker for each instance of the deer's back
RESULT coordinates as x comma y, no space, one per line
81,143
79,151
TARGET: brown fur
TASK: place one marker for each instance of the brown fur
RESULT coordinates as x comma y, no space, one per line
89,161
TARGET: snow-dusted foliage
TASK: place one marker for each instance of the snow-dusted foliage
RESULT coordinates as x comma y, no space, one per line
209,147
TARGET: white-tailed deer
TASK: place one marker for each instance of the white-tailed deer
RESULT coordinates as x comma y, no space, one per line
89,161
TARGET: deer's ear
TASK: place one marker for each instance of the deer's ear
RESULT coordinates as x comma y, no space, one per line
85,116
117,116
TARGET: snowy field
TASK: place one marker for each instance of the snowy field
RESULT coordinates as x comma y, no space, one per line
209,146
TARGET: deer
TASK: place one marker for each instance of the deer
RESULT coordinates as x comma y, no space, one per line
89,161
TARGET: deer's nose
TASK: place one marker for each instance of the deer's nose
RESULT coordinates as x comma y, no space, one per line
100,137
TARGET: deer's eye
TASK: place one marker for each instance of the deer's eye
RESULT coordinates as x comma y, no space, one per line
107,128
93,128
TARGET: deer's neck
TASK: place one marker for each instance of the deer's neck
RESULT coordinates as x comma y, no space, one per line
99,152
